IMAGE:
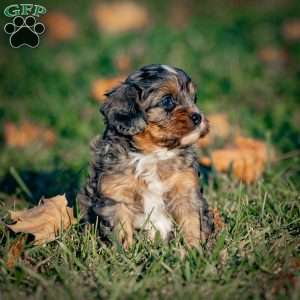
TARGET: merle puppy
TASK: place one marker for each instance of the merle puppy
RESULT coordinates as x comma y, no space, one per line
144,169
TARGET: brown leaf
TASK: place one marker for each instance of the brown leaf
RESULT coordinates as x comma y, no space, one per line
218,221
259,147
247,158
205,161
15,251
219,128
180,13
245,165
27,133
123,62
291,30
59,26
102,85
273,56
283,281
294,264
45,221
120,17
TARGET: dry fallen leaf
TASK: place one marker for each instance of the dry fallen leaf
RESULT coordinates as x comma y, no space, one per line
59,26
219,128
180,13
66,62
246,166
122,62
294,264
27,133
205,161
15,251
260,148
291,30
102,85
218,221
45,221
282,282
120,17
247,158
273,56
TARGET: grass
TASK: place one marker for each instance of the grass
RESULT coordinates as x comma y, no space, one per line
256,255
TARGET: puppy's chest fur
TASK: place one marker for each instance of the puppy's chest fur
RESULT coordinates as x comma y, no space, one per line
155,171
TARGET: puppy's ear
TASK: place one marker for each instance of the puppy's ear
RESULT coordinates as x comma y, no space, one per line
122,111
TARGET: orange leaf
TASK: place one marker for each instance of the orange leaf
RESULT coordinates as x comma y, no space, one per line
219,127
180,13
59,26
15,251
244,163
260,148
218,222
291,30
120,17
122,62
273,56
45,221
205,161
248,159
101,86
27,133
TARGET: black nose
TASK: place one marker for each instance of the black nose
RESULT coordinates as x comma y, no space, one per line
196,118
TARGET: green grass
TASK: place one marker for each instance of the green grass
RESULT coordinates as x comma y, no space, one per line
255,255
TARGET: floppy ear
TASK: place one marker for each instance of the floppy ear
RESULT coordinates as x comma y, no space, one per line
122,111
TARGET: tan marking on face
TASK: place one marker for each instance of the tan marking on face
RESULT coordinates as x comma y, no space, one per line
180,123
167,134
148,140
170,87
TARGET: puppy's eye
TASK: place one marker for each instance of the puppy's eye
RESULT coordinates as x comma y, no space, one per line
168,103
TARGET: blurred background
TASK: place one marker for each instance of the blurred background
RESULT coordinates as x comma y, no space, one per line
244,57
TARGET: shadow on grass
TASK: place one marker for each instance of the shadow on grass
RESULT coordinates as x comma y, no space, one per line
34,185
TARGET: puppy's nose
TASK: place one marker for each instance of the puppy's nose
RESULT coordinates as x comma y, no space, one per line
196,118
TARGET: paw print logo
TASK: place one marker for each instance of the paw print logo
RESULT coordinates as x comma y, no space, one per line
24,32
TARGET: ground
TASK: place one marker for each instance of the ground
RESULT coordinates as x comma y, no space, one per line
256,253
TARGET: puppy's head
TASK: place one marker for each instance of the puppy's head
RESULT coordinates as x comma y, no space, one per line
156,107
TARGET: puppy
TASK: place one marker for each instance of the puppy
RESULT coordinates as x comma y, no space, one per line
144,169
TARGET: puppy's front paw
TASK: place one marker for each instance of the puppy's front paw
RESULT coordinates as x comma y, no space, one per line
193,242
125,235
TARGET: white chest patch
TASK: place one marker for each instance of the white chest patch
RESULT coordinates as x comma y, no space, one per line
155,217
